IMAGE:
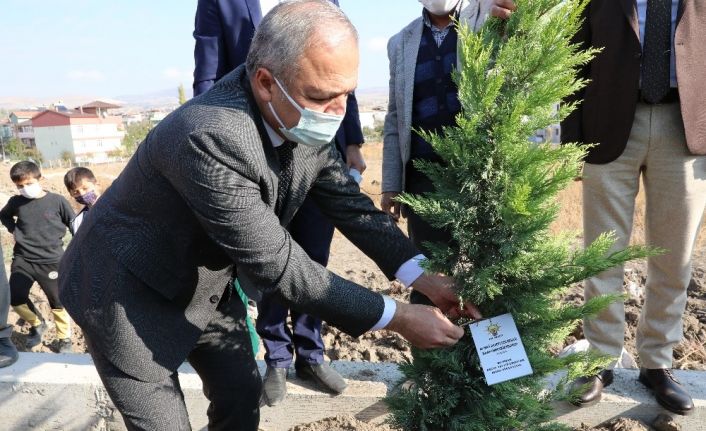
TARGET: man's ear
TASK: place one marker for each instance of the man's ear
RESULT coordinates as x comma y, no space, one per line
263,84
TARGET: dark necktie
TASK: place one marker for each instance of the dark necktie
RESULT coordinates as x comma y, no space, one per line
285,154
657,50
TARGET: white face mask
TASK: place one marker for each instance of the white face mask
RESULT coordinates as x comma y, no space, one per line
314,128
31,191
439,7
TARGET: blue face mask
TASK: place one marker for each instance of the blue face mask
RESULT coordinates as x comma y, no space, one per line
314,128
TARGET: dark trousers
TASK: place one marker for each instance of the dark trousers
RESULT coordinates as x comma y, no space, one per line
419,231
313,232
23,274
222,358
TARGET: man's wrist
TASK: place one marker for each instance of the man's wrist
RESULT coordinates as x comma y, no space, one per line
421,285
398,320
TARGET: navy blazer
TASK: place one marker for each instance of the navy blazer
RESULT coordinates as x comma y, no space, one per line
223,31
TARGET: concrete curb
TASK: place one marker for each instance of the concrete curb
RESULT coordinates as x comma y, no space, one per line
630,398
63,392
48,391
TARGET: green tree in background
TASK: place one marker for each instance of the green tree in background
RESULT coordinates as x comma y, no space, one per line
373,134
182,94
496,194
15,148
135,133
34,154
66,156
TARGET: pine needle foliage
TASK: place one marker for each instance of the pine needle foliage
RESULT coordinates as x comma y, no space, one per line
496,194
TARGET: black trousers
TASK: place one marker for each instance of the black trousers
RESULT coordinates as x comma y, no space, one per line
313,232
23,274
419,231
224,360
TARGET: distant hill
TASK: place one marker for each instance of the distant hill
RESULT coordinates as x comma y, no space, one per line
19,103
152,100
156,99
368,98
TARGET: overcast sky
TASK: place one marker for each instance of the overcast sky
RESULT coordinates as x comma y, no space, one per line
111,48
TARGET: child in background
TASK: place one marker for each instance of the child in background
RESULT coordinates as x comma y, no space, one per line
82,186
38,220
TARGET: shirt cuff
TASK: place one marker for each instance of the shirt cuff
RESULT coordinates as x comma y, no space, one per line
387,313
410,271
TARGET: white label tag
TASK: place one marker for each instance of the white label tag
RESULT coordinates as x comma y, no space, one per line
500,349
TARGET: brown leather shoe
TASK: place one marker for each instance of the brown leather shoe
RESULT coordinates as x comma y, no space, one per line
669,393
591,388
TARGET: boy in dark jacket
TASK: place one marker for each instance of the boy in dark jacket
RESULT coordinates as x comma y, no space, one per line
38,220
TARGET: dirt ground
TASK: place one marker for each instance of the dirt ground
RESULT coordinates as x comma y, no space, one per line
349,423
348,262
53,181
341,423
661,423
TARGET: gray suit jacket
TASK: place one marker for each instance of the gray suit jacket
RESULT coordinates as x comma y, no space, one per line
402,52
156,253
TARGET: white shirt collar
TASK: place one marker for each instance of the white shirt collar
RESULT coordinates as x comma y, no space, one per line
274,137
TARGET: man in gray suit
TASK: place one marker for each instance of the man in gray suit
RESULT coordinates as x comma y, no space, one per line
423,96
205,198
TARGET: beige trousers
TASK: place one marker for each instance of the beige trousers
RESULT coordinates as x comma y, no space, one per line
675,189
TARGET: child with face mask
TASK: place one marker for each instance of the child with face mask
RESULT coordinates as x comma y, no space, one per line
83,186
38,220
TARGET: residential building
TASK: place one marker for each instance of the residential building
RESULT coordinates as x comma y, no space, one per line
6,133
6,129
85,135
156,116
129,119
97,107
371,119
22,126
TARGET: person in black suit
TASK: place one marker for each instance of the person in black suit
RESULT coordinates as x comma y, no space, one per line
223,32
204,199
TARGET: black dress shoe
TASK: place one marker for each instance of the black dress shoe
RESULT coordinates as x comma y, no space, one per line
8,352
590,388
274,388
323,375
669,393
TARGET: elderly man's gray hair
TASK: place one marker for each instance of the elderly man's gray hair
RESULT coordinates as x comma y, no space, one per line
289,29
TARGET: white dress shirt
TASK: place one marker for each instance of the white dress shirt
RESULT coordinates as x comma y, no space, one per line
406,274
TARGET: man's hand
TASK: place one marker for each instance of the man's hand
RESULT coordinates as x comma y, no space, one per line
354,158
441,291
502,8
424,326
389,205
